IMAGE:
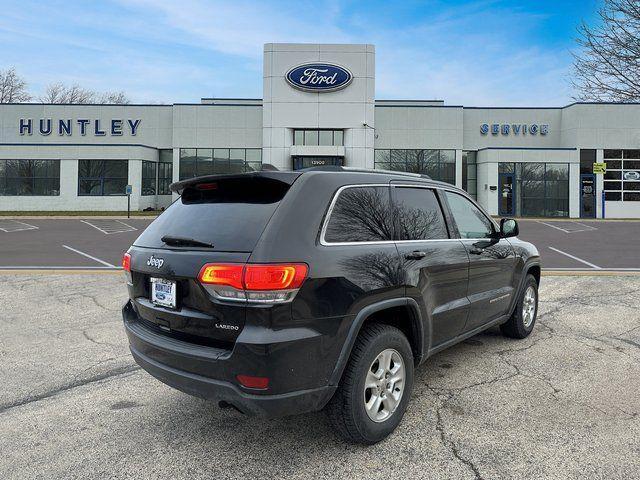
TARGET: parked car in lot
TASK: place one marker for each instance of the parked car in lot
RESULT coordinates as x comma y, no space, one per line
279,293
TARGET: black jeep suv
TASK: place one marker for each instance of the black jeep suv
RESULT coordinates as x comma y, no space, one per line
279,293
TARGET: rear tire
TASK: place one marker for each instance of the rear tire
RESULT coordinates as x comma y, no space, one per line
521,323
375,387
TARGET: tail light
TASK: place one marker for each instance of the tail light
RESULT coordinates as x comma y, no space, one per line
262,283
126,262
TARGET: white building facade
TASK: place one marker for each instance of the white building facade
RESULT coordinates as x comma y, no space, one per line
319,108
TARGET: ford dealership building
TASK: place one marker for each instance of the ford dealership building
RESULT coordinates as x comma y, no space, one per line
318,108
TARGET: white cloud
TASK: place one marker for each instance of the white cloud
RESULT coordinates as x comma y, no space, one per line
480,53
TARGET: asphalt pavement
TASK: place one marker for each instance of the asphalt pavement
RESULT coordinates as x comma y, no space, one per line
562,403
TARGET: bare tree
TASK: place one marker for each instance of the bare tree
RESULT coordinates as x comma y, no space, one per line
75,94
117,98
608,66
13,89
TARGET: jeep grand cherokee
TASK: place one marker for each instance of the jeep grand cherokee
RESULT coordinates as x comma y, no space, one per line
285,292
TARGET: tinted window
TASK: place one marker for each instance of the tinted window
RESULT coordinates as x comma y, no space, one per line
361,214
102,177
471,222
418,214
231,214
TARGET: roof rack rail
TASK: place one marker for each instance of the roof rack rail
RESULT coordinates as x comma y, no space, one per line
335,168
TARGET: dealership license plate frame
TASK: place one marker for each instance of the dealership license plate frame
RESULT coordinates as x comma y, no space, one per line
163,292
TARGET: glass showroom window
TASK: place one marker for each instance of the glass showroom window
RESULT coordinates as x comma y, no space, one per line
165,172
469,173
622,180
542,189
30,177
212,161
102,177
318,137
148,178
438,164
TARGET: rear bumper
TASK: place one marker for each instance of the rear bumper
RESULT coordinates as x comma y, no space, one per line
209,373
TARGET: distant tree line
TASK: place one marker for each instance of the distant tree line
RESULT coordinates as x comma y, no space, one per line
13,89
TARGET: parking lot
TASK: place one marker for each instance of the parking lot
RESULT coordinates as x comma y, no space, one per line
562,403
93,243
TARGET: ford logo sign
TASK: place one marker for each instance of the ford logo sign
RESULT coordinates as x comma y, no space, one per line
319,77
631,175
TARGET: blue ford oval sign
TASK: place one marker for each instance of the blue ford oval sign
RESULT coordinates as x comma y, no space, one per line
319,77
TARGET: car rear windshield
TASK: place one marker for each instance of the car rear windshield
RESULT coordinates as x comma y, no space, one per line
230,214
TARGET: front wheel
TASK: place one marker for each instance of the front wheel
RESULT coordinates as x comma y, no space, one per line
375,387
521,323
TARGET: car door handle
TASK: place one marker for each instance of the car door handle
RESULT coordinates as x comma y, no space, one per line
476,250
415,255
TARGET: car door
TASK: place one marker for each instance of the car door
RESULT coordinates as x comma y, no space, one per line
491,261
435,265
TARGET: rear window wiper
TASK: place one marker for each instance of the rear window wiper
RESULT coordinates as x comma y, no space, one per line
185,242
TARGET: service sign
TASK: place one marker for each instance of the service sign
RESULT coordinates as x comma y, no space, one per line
319,77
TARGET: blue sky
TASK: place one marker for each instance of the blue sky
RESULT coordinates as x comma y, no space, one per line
475,52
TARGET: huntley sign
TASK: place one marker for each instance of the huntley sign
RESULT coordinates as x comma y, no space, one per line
67,127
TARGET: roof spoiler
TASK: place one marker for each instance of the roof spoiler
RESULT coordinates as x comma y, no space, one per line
270,172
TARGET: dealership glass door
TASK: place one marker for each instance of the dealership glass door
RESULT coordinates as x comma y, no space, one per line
506,200
587,196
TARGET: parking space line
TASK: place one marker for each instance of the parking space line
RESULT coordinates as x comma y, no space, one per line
587,228
110,226
596,267
15,226
89,256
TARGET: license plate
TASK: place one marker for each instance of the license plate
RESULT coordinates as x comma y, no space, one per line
163,292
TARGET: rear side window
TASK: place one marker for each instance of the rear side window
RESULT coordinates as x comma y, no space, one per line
361,214
231,214
418,214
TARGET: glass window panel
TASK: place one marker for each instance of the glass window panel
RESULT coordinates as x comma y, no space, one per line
533,188
505,167
253,166
610,185
631,186
254,154
556,207
236,154
635,154
220,166
115,168
114,186
613,154
325,137
532,207
532,171
613,175
614,164
165,155
557,171
311,137
148,184
398,156
448,156
631,197
361,214
471,222
90,187
418,215
632,165
187,168
613,196
381,159
298,137
338,138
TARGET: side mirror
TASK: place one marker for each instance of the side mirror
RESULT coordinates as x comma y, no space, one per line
509,228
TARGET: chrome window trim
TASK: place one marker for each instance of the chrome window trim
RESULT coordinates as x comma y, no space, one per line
334,200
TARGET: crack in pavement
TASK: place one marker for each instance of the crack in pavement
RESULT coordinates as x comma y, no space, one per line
119,371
